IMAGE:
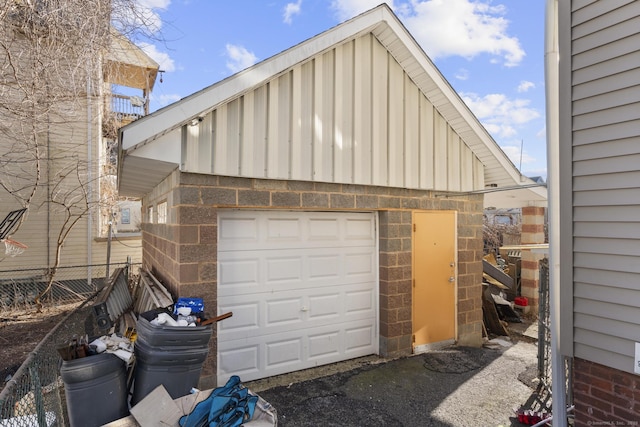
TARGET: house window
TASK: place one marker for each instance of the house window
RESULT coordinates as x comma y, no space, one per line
162,213
125,216
150,214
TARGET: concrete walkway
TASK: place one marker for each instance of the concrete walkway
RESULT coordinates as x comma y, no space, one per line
455,386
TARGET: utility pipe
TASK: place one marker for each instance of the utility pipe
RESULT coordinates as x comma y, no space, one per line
552,77
89,177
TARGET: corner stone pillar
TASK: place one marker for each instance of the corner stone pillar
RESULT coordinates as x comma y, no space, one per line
532,233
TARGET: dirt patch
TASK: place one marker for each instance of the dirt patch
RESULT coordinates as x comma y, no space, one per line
21,332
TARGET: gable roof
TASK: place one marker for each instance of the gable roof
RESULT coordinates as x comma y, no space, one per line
142,167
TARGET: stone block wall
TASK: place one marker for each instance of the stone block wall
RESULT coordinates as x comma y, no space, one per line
182,253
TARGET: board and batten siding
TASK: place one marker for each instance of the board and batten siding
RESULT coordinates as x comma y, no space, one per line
349,115
605,112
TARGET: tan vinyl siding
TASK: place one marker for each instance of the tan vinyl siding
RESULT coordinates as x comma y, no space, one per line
348,115
605,95
74,251
122,247
67,142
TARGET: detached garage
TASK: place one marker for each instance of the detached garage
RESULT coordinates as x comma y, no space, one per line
330,196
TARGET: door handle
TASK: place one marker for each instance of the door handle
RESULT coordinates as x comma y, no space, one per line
452,279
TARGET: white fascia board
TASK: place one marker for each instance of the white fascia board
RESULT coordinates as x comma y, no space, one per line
144,130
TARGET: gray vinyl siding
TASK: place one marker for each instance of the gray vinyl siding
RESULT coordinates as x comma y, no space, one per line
605,193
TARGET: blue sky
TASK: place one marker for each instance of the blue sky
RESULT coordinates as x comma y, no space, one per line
490,51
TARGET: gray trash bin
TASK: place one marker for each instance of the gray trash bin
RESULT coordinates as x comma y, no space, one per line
176,368
171,336
169,355
95,389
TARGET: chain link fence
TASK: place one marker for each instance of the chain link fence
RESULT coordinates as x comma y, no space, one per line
67,285
544,344
34,396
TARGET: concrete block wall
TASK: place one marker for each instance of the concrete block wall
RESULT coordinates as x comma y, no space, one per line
182,253
604,396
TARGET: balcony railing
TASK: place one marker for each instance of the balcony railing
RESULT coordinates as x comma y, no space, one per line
127,108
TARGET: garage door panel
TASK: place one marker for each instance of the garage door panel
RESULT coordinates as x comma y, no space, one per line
324,266
239,272
359,264
325,307
285,270
283,230
360,301
295,310
359,339
242,360
285,311
360,229
284,352
302,289
323,345
273,355
246,316
323,229
238,229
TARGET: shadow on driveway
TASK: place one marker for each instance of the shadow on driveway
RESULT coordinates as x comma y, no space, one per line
455,386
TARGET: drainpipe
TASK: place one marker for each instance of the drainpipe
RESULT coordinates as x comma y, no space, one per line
48,189
89,177
551,57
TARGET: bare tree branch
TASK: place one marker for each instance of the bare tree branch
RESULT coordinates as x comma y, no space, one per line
51,76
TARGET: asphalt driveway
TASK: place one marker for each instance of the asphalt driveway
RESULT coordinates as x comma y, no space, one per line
455,386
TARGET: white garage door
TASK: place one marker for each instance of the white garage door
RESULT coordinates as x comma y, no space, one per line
302,287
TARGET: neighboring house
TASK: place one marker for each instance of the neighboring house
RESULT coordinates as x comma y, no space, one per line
599,206
86,135
330,197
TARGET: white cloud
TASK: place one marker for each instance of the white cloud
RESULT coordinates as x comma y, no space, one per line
291,9
513,152
444,28
462,74
503,130
499,114
163,59
465,28
239,58
524,86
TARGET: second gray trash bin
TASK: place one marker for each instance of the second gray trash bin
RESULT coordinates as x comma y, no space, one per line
168,355
95,389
